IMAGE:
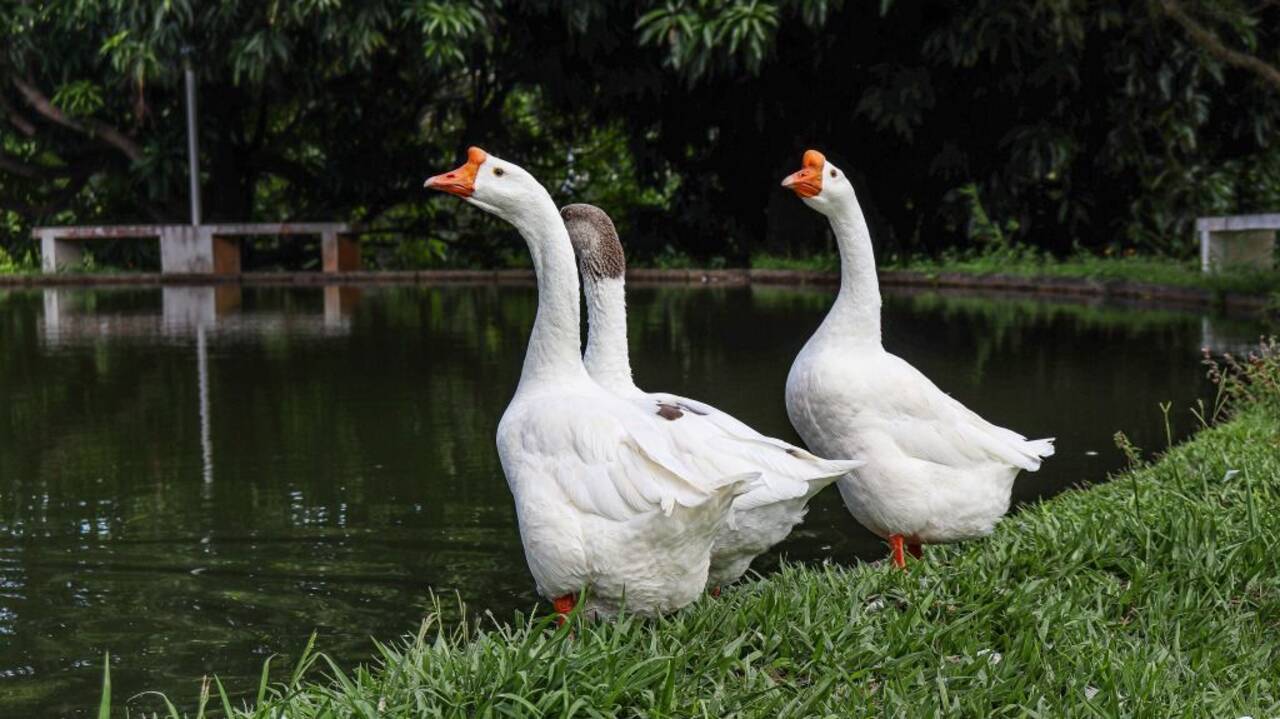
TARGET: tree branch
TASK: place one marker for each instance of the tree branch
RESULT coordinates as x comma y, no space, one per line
90,127
1209,40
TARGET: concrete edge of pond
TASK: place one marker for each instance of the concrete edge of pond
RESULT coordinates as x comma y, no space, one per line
1164,294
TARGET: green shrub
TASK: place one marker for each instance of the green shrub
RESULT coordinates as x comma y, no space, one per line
9,265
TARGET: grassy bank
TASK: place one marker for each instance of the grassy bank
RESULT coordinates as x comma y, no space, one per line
1009,262
1029,263
1155,594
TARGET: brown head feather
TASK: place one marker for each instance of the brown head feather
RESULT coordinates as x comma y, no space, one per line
595,241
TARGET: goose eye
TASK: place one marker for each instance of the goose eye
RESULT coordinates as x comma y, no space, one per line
499,171
833,173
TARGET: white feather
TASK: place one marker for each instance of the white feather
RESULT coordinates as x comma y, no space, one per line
703,437
606,500
935,471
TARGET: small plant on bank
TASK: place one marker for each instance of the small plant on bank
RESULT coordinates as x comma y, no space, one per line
1249,381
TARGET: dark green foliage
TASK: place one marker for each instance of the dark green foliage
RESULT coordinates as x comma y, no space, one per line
1077,122
308,110
1081,122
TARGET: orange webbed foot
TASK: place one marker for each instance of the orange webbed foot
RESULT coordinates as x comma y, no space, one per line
563,606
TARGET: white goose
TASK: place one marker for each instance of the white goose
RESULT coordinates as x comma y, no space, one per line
935,471
605,498
717,443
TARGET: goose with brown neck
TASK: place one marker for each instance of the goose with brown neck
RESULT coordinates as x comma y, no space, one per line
718,442
606,499
934,470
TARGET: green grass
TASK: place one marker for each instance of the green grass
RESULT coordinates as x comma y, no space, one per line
1030,263
1156,594
821,262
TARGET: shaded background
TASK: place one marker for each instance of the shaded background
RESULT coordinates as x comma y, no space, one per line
1055,123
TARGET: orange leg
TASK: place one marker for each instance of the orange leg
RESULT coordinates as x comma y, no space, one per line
714,591
915,550
564,605
895,544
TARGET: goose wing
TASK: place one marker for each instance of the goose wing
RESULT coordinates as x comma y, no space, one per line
721,444
928,424
609,460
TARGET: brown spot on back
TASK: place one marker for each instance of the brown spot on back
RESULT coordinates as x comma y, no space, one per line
595,241
669,411
792,451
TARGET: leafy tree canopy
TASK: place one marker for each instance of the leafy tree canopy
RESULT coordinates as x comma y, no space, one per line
1062,121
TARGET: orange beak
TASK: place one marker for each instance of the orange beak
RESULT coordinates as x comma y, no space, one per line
462,181
807,182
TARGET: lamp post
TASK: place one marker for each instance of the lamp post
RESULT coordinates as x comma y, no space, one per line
193,143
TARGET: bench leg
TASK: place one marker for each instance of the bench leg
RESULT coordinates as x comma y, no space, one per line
226,255
1240,248
339,253
58,254
187,250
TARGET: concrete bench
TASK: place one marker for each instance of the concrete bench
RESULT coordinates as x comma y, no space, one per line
198,249
1237,240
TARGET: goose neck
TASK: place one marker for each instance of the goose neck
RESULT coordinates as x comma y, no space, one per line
607,358
555,341
855,315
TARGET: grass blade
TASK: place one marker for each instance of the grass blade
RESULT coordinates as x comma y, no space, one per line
262,681
104,704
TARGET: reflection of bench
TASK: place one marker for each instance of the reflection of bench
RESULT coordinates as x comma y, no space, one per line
198,249
1237,240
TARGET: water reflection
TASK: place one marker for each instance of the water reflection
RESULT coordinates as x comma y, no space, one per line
70,316
339,303
1222,335
202,380
74,315
184,308
197,477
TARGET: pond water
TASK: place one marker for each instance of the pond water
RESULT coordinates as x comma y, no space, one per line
196,478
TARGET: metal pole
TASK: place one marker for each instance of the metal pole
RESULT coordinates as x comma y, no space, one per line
193,144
